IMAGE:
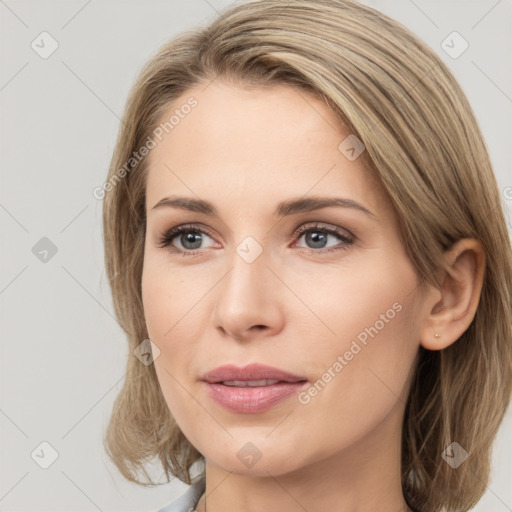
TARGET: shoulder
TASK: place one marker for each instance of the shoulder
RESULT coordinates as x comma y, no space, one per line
187,502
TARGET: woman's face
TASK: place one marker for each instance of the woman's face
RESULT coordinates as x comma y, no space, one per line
327,294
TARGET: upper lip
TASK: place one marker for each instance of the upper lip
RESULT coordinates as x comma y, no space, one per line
254,371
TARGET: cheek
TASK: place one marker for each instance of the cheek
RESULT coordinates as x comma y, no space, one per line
370,342
371,300
167,297
172,319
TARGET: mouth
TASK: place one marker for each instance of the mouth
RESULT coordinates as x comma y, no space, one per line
251,389
252,396
254,388
252,375
251,383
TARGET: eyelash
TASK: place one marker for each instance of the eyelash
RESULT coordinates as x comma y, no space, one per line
166,239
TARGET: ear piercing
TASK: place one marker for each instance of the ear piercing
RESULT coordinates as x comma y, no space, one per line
437,335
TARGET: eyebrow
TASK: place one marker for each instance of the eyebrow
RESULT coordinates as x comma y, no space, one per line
284,208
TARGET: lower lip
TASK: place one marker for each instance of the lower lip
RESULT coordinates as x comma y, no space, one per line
252,399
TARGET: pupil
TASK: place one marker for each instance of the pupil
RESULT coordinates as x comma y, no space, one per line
190,237
314,237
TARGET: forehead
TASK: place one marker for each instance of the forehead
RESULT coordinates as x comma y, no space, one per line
226,116
254,144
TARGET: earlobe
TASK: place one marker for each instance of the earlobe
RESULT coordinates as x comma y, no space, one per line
453,306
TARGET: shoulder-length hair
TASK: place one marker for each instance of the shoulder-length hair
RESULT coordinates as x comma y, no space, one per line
424,145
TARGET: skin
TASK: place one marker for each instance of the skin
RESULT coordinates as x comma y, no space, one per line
295,307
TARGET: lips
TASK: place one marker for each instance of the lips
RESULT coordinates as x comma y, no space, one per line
254,388
252,375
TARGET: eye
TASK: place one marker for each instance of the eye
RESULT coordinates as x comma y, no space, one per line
190,236
317,236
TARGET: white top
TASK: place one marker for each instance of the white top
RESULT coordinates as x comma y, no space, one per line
188,501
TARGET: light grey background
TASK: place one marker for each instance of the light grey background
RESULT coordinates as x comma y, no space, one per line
62,353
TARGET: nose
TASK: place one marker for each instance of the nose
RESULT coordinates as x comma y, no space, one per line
248,300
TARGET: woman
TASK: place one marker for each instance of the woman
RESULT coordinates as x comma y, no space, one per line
307,252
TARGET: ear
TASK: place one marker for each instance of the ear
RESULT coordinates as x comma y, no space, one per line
453,306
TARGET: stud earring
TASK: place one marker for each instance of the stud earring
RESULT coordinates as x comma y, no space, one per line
437,335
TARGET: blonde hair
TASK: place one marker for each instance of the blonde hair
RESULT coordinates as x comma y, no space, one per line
424,145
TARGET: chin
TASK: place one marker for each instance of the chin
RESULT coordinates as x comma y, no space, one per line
253,459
